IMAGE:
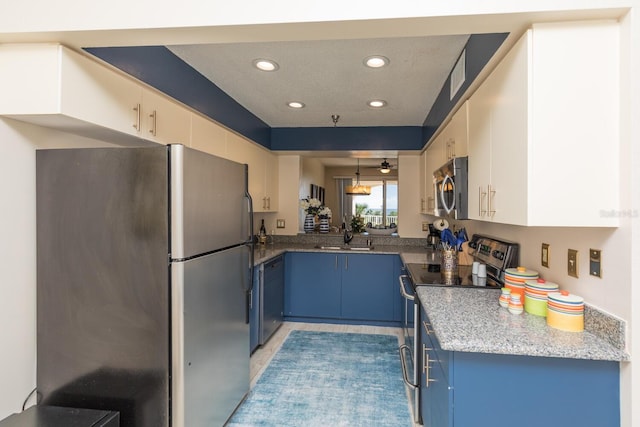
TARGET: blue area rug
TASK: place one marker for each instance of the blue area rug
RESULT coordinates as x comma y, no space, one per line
329,379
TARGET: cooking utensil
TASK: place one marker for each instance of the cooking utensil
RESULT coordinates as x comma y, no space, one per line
447,237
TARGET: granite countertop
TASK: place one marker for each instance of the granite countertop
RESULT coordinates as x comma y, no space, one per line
263,253
471,320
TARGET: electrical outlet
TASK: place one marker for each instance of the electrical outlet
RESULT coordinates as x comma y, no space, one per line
425,226
280,223
595,262
544,255
572,263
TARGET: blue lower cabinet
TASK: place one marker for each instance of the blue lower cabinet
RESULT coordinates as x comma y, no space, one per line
367,291
436,393
497,390
352,288
254,312
312,285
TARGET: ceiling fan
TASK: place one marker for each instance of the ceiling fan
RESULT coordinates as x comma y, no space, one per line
385,167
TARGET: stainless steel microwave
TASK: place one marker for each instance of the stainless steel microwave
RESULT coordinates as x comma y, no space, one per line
451,189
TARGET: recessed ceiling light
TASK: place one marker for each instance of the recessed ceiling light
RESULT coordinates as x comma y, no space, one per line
376,61
295,104
377,103
265,64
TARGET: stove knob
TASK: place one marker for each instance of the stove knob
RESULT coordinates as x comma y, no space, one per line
473,244
498,254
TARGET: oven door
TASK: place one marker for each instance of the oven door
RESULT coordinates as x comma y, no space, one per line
409,349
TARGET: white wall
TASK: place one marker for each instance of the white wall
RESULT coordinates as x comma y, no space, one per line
410,219
18,254
289,169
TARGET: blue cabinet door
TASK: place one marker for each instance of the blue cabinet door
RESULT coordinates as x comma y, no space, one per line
368,289
254,312
398,300
436,394
312,282
272,303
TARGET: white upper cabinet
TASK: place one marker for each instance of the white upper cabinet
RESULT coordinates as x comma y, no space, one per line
53,86
263,171
455,134
543,130
50,85
451,142
208,136
163,120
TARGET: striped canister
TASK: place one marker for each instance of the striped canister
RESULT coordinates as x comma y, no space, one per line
565,311
514,279
535,296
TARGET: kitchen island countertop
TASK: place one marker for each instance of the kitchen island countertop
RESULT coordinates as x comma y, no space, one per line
471,320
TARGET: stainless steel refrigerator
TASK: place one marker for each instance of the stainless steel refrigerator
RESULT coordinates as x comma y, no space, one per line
144,271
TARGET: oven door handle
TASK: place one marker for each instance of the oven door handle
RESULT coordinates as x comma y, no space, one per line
403,362
403,292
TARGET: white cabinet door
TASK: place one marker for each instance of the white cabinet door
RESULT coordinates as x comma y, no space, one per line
479,150
456,134
531,130
271,181
436,157
96,94
208,136
164,120
507,191
423,181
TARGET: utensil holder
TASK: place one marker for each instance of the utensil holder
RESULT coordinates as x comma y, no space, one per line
449,265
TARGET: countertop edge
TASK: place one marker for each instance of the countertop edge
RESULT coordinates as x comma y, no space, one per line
500,332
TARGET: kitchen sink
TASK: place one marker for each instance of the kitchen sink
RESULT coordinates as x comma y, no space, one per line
345,248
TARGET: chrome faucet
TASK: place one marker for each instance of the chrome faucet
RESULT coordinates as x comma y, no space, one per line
348,236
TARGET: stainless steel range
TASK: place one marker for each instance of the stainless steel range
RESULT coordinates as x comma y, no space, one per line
497,255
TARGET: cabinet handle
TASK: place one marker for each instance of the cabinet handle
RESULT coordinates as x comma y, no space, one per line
481,195
154,118
403,292
431,205
264,203
336,262
426,325
346,262
426,366
490,195
136,125
269,203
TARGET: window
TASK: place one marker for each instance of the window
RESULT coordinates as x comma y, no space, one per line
380,208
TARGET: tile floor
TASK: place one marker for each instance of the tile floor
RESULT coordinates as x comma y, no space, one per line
262,356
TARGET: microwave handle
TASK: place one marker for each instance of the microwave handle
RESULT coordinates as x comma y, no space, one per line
442,187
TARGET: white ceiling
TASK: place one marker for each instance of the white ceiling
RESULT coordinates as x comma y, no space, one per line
329,77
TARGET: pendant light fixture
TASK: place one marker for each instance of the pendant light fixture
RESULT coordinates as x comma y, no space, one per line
358,190
385,167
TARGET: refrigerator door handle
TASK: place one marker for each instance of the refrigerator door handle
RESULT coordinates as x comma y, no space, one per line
250,242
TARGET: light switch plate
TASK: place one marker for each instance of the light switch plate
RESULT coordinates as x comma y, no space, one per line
595,262
425,226
544,255
572,263
280,223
